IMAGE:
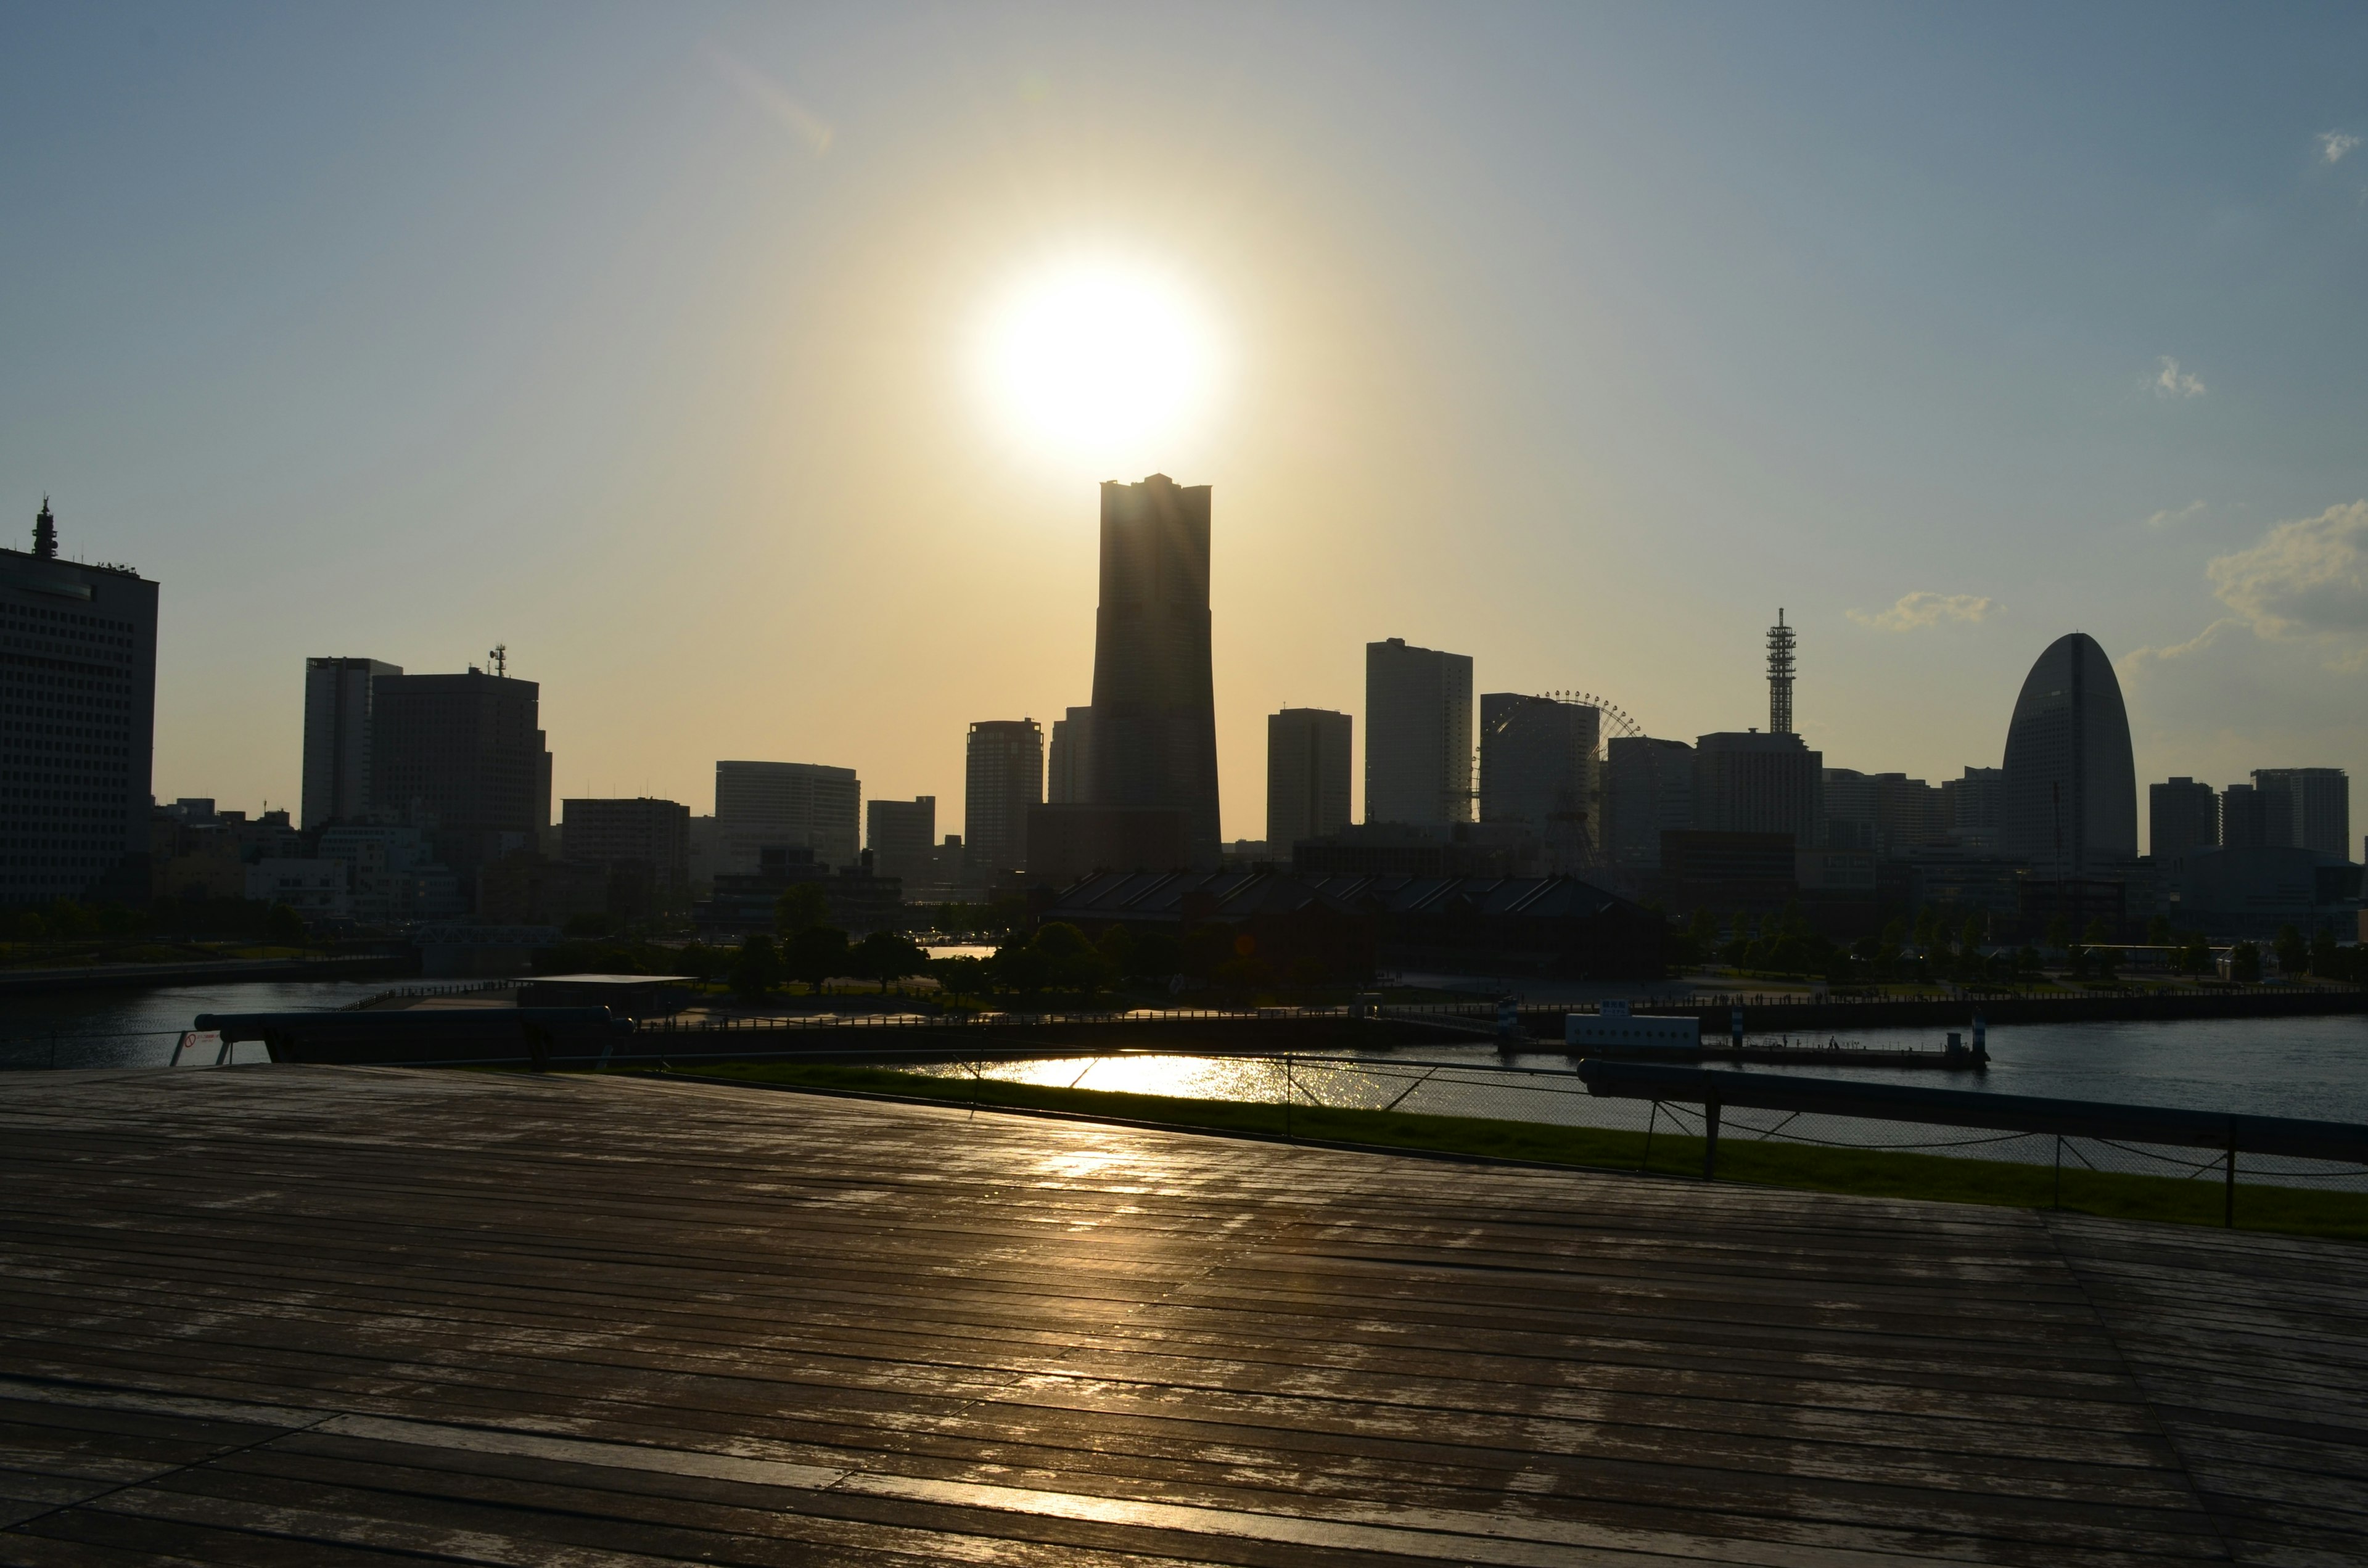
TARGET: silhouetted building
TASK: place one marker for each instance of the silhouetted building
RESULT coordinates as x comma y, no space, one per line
462,756
337,738
2182,815
642,843
1971,806
1069,760
1537,765
2247,893
78,683
1069,842
1430,849
2251,818
1307,761
1154,719
745,903
2071,802
1418,735
393,875
1884,815
1706,869
1003,778
902,837
1648,790
1756,783
2319,806
806,804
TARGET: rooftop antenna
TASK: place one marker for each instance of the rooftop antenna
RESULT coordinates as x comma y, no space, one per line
1779,678
501,659
45,533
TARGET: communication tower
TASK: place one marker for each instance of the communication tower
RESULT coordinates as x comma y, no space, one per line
1779,678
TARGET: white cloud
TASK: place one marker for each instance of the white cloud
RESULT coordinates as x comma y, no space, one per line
2305,581
2333,144
2170,381
2194,509
1920,608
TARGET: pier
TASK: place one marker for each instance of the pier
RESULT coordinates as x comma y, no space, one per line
290,1315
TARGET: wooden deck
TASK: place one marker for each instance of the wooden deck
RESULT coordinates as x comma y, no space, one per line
340,1316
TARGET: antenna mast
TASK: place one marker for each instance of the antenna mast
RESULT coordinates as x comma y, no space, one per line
1779,678
500,658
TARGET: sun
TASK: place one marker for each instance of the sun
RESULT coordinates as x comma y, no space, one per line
1100,361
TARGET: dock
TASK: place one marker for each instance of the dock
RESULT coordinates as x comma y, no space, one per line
308,1315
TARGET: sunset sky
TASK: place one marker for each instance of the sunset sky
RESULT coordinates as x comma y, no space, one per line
720,360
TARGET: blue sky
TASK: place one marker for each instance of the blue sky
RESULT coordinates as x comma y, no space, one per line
1576,338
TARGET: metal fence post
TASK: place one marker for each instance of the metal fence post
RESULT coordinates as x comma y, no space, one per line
2058,1201
1650,1120
1287,1098
1709,1140
2229,1215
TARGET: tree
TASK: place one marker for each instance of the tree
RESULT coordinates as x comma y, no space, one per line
758,968
1974,932
801,907
887,956
2096,931
1071,960
2159,931
2059,933
2244,961
2294,953
814,956
2325,958
284,927
961,976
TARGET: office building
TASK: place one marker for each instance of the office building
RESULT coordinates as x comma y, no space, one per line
1424,849
1067,842
2181,815
1758,784
393,877
800,806
1969,808
1307,761
1069,761
2319,806
2071,803
644,844
1418,735
1538,766
1154,719
315,889
1648,790
337,738
1883,814
77,720
1003,776
462,756
902,838
2253,818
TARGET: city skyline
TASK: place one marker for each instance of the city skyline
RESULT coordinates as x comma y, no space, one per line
298,345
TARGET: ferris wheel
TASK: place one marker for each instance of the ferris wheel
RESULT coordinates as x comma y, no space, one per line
1615,718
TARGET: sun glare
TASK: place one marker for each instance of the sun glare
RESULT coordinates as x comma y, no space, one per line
1102,361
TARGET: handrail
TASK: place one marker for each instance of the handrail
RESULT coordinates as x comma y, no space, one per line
1707,1086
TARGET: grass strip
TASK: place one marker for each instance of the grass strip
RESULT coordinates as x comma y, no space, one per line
1867,1173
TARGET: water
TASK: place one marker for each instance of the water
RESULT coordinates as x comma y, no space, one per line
139,1028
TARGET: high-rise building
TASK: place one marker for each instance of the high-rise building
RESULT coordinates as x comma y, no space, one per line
2318,805
2254,818
798,805
2071,805
1648,790
1886,814
1756,783
462,756
337,738
902,837
1969,808
1537,765
2181,815
1307,762
78,688
1154,719
1069,762
1004,776
1418,735
642,843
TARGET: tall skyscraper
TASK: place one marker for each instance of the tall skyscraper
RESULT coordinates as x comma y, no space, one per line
2182,815
1418,735
1537,765
2254,818
1307,761
2071,805
337,738
1069,765
462,756
1756,783
902,837
1971,806
78,689
1155,716
641,842
790,804
2318,805
1648,790
1004,776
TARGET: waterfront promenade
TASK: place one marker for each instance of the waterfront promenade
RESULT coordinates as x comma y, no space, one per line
326,1316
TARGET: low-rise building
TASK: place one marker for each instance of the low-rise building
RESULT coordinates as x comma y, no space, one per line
313,889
